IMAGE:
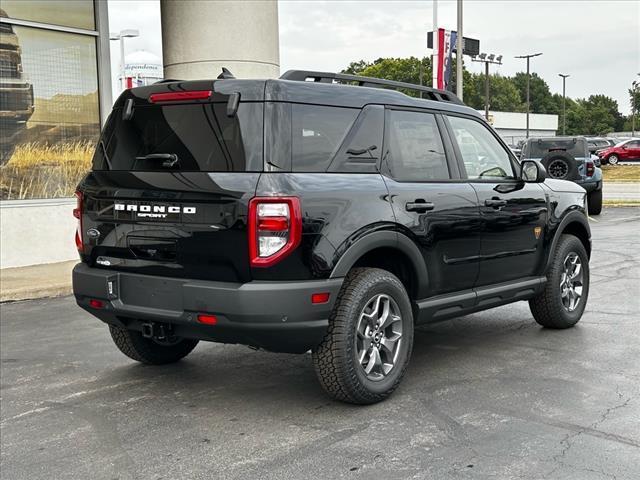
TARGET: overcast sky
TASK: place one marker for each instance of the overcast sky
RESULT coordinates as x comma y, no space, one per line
596,42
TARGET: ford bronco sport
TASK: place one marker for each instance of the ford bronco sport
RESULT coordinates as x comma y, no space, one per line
321,212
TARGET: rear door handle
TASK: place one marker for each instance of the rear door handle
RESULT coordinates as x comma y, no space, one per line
495,202
419,206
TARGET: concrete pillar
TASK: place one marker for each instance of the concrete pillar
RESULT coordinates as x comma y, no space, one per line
199,37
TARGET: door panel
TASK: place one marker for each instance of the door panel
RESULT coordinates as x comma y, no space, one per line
513,228
447,234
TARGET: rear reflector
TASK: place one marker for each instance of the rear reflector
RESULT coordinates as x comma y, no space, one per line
180,96
320,297
207,319
93,303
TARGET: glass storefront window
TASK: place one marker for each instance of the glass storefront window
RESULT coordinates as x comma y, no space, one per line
49,113
68,13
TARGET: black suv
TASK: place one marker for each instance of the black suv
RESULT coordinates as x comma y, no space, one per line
320,212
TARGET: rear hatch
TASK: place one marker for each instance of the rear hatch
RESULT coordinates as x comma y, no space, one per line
172,176
574,147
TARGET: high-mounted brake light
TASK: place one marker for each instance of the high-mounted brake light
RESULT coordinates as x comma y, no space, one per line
77,212
179,96
275,229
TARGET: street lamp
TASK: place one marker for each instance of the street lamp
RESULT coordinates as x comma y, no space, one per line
127,33
564,99
487,59
528,57
635,84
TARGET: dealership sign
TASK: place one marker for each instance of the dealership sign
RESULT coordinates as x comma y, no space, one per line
446,48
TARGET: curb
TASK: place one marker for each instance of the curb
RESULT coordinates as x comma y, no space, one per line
17,294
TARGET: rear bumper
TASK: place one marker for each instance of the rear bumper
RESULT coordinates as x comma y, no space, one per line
277,316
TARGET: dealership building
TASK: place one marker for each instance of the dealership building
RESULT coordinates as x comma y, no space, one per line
55,93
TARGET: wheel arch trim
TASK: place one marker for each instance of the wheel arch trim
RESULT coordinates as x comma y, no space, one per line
572,218
382,239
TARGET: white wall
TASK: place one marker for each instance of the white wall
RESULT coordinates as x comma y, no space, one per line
37,231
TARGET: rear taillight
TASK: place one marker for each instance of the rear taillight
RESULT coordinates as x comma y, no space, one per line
77,212
179,96
275,229
591,168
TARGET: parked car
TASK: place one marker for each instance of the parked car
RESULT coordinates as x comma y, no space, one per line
16,93
568,158
628,150
599,143
316,212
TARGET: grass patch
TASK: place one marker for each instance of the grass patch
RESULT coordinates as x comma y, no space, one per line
45,171
621,173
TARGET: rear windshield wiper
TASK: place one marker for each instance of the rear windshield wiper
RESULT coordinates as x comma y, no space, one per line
169,160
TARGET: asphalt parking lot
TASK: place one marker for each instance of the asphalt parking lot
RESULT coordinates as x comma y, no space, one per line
490,395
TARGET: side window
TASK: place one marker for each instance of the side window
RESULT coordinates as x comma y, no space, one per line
362,147
316,134
483,156
415,149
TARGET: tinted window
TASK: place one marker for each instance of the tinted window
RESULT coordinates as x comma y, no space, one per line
415,148
538,148
361,149
202,137
483,155
316,134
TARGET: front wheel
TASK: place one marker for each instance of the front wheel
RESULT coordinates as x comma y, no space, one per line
613,159
366,349
594,202
564,298
149,350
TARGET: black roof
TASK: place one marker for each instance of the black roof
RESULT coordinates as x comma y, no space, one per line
312,92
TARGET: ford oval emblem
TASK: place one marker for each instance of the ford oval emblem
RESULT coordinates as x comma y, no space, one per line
93,233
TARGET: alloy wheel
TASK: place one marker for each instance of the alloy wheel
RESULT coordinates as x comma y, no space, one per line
571,282
379,336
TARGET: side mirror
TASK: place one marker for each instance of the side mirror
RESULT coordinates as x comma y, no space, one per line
532,172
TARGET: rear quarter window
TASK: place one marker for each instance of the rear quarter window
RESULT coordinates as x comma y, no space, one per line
316,134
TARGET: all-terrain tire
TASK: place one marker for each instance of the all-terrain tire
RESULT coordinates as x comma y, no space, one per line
547,308
146,350
335,359
594,202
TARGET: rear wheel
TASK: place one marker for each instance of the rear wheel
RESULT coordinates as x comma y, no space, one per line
149,350
366,349
594,202
613,159
564,298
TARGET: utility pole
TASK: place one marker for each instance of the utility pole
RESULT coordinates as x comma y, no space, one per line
459,54
564,104
487,59
528,57
435,56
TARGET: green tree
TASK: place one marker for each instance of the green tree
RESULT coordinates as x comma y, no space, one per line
503,94
539,93
398,69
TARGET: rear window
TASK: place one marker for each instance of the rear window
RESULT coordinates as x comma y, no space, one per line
539,148
199,137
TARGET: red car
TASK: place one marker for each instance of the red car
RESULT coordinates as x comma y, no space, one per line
622,152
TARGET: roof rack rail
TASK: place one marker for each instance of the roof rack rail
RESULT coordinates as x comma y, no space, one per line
328,77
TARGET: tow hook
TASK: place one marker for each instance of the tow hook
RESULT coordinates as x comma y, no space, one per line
157,331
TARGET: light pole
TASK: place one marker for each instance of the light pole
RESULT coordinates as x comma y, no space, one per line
487,59
564,105
128,33
528,57
459,54
635,84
